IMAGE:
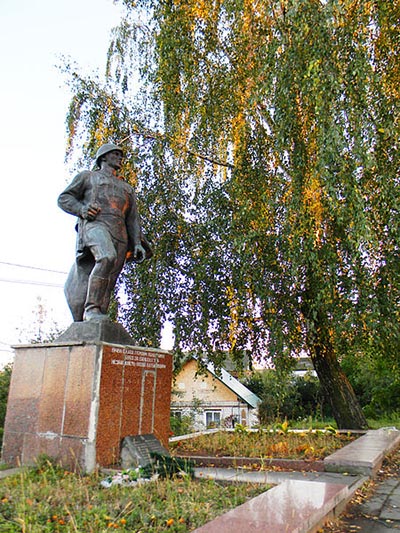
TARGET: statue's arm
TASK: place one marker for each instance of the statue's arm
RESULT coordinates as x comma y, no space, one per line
134,228
71,200
133,223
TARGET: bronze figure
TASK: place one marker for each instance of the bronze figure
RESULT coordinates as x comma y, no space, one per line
109,233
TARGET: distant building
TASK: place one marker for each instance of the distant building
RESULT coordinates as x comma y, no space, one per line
304,366
212,399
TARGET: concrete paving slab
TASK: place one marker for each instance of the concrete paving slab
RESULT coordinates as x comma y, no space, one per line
365,525
10,472
391,510
274,478
385,502
388,484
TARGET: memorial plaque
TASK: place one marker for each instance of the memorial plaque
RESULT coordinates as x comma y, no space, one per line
136,450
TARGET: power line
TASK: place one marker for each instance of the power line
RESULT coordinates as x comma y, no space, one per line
32,267
8,349
26,282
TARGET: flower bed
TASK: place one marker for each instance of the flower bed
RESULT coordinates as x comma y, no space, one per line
303,445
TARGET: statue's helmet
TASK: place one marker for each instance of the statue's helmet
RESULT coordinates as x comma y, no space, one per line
105,149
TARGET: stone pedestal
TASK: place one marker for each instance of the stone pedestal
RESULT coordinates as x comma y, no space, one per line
76,400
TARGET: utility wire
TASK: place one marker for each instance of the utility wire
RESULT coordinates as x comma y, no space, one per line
27,282
32,267
8,349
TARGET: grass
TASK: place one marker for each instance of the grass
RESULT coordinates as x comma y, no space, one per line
265,444
313,422
387,421
48,499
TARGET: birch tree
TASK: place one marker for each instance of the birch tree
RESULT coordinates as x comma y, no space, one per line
263,136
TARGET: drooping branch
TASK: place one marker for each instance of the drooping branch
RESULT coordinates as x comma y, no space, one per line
148,134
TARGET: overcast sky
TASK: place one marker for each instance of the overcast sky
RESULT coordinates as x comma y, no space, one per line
34,34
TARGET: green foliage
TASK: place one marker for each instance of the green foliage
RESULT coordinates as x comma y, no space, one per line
279,398
5,378
255,383
241,429
284,395
312,401
376,381
168,467
264,137
182,426
392,420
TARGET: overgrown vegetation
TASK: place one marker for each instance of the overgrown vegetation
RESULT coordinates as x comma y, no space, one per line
278,443
49,499
375,380
284,395
182,425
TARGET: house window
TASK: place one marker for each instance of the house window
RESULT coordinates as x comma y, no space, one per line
177,414
213,418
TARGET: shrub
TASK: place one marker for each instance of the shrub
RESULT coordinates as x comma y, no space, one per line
284,395
181,425
375,380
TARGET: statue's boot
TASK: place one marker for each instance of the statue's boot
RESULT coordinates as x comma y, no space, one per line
94,300
108,294
76,290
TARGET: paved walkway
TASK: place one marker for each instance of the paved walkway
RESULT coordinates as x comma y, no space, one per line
379,512
382,511
302,502
298,503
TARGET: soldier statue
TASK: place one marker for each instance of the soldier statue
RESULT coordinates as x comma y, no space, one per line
109,233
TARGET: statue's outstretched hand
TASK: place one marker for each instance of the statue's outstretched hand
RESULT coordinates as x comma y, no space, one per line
90,212
139,253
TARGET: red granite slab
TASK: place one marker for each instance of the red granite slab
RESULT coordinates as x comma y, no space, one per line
25,390
110,404
51,403
79,390
133,381
291,507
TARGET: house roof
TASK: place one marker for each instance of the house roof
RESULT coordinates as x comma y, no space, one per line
234,385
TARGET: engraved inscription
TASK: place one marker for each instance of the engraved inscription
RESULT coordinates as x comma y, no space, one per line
138,358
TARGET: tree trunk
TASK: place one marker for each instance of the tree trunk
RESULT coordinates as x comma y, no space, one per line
335,385
346,409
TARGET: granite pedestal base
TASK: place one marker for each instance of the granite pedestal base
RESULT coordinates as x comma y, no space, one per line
76,401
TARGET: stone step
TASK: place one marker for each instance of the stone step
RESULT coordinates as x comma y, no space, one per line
365,454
